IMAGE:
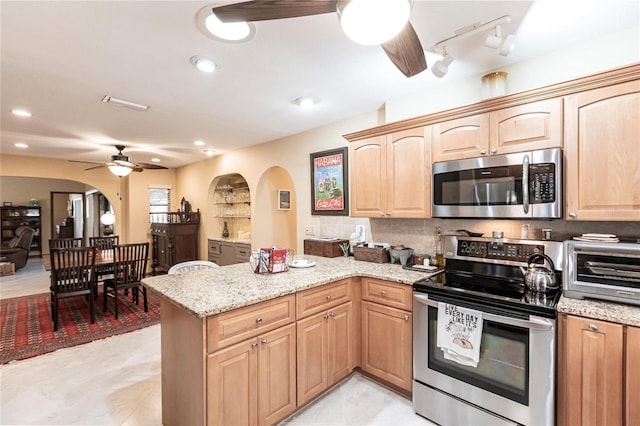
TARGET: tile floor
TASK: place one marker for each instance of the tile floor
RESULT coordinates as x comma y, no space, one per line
116,381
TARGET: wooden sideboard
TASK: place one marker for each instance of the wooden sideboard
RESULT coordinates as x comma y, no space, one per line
175,240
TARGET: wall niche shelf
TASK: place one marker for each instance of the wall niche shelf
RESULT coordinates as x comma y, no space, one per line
232,204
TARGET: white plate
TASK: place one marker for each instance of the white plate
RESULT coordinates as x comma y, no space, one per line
302,263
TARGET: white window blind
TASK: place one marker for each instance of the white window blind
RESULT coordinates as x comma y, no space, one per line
159,204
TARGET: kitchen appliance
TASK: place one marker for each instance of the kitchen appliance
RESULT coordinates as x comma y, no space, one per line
514,381
606,271
511,186
540,278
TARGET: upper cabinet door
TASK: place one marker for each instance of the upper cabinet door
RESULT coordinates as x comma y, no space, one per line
466,137
368,177
537,125
408,174
602,148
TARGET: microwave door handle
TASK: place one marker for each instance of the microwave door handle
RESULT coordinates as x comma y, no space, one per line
533,322
525,184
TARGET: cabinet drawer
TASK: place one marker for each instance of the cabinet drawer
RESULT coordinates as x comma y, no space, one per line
386,293
214,248
244,323
242,252
318,299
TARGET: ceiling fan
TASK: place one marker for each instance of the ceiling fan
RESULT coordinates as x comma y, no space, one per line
402,45
120,164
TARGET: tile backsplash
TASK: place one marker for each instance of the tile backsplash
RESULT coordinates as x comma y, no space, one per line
419,234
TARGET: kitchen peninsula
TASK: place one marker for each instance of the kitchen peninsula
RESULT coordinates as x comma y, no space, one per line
243,348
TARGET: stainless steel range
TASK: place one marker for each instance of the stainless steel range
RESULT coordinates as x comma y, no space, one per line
514,379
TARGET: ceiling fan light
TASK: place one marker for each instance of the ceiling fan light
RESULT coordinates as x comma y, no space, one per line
371,22
231,31
119,170
108,219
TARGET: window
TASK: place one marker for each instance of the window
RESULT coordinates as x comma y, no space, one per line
159,204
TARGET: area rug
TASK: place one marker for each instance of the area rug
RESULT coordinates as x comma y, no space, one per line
27,329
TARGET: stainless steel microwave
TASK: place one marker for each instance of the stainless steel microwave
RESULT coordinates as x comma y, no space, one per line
510,186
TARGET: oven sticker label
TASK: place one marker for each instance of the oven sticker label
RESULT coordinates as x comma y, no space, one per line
459,333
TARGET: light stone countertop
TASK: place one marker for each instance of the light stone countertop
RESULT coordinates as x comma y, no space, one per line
601,310
211,291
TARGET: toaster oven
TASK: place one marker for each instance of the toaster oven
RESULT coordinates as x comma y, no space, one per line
599,270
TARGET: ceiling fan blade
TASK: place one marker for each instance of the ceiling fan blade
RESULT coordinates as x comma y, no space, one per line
87,162
264,10
149,166
405,51
96,167
136,169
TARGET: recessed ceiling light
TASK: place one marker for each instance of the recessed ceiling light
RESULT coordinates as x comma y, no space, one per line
306,102
21,145
21,113
199,143
209,152
155,160
203,63
229,32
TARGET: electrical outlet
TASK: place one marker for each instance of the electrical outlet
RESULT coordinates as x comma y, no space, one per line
308,230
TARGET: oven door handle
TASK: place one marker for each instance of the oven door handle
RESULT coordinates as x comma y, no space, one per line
533,322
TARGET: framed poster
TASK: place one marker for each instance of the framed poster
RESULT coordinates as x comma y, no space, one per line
284,199
330,182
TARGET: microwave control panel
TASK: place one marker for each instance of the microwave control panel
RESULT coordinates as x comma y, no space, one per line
498,250
542,178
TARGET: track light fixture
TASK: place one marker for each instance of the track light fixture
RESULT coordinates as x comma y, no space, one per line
504,44
441,67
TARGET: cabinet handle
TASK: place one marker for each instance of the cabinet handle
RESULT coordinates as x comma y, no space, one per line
494,150
383,293
593,327
328,297
258,320
326,316
264,342
573,214
254,346
382,214
406,317
333,314
483,152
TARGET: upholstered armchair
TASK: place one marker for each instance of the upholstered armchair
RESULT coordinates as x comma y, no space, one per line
17,249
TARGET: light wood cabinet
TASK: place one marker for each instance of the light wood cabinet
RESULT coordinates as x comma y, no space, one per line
319,299
253,382
387,343
595,386
632,385
603,152
325,350
391,175
531,126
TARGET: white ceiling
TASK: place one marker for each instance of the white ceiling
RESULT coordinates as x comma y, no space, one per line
60,58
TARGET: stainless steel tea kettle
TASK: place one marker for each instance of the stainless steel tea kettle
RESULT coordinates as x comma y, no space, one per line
538,277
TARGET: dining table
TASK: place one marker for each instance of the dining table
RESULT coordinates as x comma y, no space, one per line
103,258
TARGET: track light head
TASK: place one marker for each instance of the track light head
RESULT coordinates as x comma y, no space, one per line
441,67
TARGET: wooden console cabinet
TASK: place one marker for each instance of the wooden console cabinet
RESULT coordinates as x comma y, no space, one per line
175,240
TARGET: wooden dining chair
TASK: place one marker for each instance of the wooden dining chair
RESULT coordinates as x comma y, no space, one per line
72,275
65,243
103,272
129,268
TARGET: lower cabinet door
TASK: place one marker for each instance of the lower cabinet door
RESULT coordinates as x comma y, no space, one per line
312,356
276,375
232,385
387,344
340,342
593,377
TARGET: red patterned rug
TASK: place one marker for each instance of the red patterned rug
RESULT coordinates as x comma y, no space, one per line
27,329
